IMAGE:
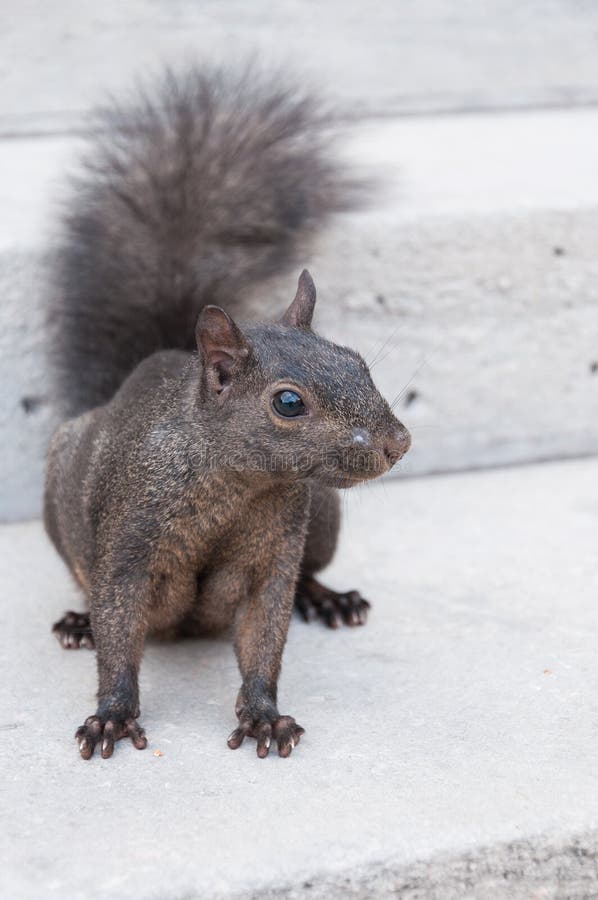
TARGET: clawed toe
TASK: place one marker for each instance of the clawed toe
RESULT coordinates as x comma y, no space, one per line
288,734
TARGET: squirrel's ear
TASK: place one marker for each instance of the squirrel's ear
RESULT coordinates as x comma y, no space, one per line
222,346
300,312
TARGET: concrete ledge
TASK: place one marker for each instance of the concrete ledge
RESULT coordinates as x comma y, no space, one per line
487,335
394,57
450,742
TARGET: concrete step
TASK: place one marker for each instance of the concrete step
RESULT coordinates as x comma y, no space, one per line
471,282
393,57
450,746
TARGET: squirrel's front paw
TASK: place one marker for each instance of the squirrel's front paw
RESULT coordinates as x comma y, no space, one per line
284,730
95,730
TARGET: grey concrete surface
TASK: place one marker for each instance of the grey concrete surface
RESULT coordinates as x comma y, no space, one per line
472,281
450,746
389,57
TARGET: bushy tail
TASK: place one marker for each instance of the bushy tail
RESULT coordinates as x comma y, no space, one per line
194,189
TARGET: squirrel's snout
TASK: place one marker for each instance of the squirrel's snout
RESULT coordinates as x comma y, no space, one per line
396,446
391,447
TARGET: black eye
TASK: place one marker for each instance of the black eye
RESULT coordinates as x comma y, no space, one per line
288,404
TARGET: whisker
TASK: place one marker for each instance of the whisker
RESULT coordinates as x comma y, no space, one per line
384,345
402,392
385,355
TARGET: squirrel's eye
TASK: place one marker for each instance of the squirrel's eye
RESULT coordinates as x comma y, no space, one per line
288,404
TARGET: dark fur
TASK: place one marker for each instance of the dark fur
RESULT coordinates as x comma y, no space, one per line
184,504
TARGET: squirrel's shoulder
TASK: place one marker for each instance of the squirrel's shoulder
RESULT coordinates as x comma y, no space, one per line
156,374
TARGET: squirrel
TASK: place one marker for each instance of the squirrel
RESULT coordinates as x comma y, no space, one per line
193,485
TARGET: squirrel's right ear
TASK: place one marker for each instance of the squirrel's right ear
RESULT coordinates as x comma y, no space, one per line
300,312
222,346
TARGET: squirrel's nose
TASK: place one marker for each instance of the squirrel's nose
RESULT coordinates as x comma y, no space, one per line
396,445
361,438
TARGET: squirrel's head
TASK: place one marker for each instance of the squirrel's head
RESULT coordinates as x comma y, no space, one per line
290,403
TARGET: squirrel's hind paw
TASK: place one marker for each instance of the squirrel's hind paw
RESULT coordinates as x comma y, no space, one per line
74,631
314,600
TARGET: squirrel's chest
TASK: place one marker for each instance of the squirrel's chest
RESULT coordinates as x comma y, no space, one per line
215,527
204,566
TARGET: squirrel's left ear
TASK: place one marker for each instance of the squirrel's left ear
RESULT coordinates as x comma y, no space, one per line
222,346
300,312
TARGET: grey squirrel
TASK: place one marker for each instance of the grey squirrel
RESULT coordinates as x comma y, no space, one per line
193,485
